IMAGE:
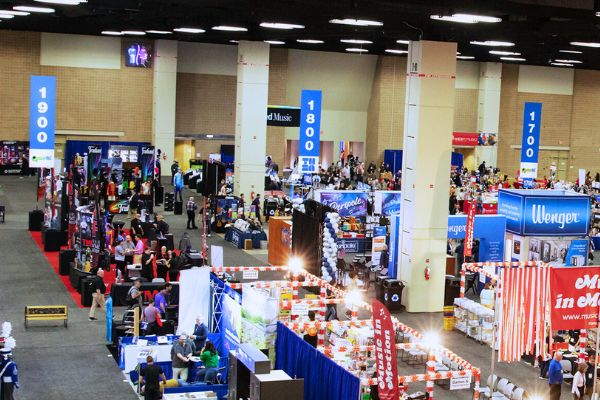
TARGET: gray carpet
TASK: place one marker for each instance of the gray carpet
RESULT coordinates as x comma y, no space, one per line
58,363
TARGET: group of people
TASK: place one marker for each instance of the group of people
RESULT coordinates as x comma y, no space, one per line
583,379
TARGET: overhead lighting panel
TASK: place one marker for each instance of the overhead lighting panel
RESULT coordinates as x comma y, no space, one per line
274,41
492,43
402,41
6,16
571,51
112,33
356,41
16,13
63,2
189,30
228,28
355,22
309,41
134,33
585,44
561,64
396,51
466,18
280,25
154,32
465,57
357,50
568,61
44,10
512,59
504,53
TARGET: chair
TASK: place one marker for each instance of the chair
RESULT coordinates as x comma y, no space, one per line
492,381
518,394
567,369
502,384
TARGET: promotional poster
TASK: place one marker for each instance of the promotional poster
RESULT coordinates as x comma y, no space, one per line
231,322
11,156
346,203
379,236
559,252
574,297
259,317
94,162
387,203
147,163
385,352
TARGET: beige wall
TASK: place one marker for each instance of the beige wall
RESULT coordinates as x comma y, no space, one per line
88,99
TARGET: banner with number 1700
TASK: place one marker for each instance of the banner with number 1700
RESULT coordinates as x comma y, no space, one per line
42,116
310,131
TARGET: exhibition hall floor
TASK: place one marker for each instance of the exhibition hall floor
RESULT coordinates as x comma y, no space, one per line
74,363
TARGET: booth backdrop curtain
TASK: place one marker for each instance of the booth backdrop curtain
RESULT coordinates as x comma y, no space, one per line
300,360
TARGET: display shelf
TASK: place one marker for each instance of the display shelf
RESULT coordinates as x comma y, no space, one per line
474,320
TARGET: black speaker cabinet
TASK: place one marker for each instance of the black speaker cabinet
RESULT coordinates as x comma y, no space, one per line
54,239
36,220
64,258
178,210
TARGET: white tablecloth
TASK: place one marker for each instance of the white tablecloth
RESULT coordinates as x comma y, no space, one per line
131,351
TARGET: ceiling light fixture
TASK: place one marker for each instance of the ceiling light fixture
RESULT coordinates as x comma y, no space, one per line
210,136
357,50
63,2
512,59
309,41
11,12
458,53
466,18
492,43
465,57
112,33
234,41
395,51
504,53
597,13
274,41
585,44
402,41
355,22
568,61
561,64
280,25
44,10
356,41
6,16
159,32
134,33
571,51
228,28
189,30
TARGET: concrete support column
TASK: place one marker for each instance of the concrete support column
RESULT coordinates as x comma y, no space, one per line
428,125
251,117
164,101
488,112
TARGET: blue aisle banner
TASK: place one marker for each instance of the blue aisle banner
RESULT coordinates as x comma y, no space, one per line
544,214
310,131
42,117
488,229
532,120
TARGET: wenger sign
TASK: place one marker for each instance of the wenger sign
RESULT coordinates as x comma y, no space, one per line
574,297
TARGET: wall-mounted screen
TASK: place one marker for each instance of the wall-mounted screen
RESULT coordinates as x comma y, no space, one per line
138,55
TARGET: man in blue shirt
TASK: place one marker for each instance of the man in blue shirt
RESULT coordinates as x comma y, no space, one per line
178,185
555,376
161,299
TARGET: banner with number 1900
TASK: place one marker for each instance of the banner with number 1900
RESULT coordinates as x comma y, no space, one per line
42,117
310,131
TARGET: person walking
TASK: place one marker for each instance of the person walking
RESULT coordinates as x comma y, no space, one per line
150,377
191,208
98,290
555,376
578,389
9,376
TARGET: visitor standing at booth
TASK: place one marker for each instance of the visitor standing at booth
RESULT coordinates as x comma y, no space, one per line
134,201
180,356
9,377
191,208
120,253
555,376
147,267
136,226
178,185
578,388
200,333
256,204
162,263
174,169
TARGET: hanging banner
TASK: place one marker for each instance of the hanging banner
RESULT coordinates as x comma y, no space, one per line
283,116
310,131
42,116
532,120
468,247
574,297
94,162
385,352
346,203
379,236
387,202
147,163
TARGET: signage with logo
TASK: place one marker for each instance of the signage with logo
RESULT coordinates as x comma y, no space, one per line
387,203
119,207
385,352
542,214
346,203
488,229
283,116
42,117
310,131
138,55
464,139
349,245
532,119
250,275
300,309
574,297
11,154
461,382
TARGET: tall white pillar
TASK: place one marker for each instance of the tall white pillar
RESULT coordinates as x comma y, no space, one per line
251,117
428,125
488,112
164,101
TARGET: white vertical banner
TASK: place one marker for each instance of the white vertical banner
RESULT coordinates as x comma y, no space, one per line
581,176
194,298
216,256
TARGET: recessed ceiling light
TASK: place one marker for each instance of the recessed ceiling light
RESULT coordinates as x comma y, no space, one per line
229,28
571,51
504,53
159,32
189,30
458,53
210,136
45,10
6,16
280,25
465,57
134,33
512,59
274,41
569,61
63,2
234,41
356,41
585,44
112,33
356,22
493,43
310,41
561,64
395,51
11,12
357,50
466,18
402,41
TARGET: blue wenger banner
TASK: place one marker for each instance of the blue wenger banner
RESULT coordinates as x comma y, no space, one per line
346,204
489,230
545,215
390,203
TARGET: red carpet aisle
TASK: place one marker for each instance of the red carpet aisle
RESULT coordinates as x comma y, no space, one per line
52,257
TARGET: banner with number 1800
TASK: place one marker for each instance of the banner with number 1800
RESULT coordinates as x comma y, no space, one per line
42,117
310,131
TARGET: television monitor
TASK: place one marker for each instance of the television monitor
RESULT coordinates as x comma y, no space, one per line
138,55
